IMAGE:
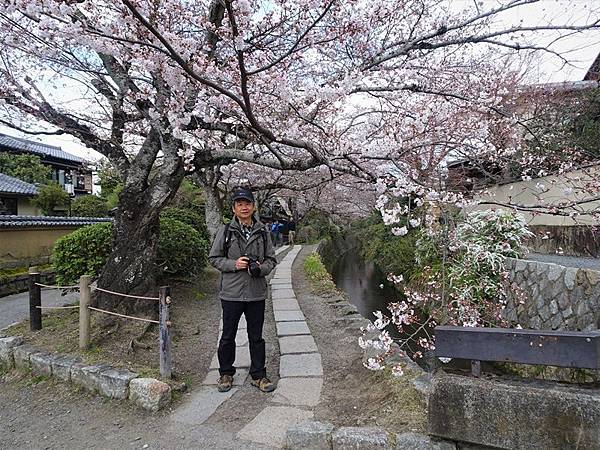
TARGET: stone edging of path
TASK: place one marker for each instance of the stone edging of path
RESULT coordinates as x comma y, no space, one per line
148,393
323,436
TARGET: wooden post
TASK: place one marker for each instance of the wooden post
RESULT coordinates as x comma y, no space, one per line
475,368
164,336
35,300
85,294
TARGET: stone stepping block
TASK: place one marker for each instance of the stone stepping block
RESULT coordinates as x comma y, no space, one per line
286,305
212,377
360,437
303,365
282,293
270,425
149,393
299,391
242,358
286,274
292,328
281,286
313,435
201,405
277,281
241,338
112,383
288,316
22,354
297,344
7,346
41,363
242,325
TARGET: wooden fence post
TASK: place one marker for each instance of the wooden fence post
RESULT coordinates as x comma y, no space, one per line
164,336
85,294
35,300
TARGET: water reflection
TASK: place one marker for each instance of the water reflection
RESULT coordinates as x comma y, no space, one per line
366,286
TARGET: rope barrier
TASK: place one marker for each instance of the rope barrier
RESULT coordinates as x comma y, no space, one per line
57,307
122,315
126,295
57,287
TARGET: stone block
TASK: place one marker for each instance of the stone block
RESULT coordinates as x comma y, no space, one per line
299,391
114,383
570,277
7,346
553,307
557,322
87,376
41,364
554,272
297,344
149,393
292,328
413,441
201,405
304,365
282,294
61,367
241,338
269,427
520,265
512,414
288,316
360,438
21,355
545,313
242,358
282,286
286,305
309,435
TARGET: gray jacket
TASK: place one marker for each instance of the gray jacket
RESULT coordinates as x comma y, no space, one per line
238,285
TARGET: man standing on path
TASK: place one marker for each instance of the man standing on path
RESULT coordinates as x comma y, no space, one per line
291,231
242,251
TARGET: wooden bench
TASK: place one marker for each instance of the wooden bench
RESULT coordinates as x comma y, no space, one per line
575,349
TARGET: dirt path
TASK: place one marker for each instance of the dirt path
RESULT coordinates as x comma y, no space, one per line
48,415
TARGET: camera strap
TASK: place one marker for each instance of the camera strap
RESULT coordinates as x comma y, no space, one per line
228,233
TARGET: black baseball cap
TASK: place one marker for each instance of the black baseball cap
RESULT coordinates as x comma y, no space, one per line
242,193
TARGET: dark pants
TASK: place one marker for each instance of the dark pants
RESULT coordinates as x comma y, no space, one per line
255,317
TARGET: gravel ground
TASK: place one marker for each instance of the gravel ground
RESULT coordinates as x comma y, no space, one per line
567,261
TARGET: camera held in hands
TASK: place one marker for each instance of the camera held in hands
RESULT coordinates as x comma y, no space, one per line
253,266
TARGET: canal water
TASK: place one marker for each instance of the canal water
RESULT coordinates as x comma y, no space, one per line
366,286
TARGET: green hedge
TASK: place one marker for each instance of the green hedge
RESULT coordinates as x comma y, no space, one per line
89,206
181,251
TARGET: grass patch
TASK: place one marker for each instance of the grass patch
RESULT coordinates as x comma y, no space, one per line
318,276
5,274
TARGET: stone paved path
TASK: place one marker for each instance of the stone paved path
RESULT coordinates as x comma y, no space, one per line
301,372
15,308
300,368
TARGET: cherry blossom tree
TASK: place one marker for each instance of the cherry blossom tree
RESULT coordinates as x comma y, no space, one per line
166,88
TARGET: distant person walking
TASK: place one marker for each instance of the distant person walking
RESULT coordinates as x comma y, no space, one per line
275,232
291,231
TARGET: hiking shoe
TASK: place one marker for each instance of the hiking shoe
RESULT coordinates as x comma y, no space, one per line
264,384
225,382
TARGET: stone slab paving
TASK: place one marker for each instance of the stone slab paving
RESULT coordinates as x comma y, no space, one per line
270,425
282,293
288,316
299,391
238,379
297,344
286,305
201,405
301,365
242,358
280,286
292,328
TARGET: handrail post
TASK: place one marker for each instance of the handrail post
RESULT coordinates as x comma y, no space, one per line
35,300
164,336
84,311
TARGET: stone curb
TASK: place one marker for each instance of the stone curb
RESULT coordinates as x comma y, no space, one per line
148,393
316,435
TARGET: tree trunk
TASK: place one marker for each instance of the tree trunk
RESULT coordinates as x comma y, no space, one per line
209,179
130,268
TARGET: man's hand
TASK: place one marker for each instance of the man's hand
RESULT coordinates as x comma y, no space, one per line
241,263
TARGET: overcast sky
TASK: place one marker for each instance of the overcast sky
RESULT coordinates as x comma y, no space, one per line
580,50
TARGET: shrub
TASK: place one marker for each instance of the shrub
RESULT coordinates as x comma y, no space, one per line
307,234
188,216
89,206
49,197
181,249
82,252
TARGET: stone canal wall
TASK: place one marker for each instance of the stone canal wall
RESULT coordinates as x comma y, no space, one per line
555,297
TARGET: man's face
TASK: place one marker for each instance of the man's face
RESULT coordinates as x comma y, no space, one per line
243,209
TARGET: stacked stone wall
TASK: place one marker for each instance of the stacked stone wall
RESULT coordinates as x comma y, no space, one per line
554,297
